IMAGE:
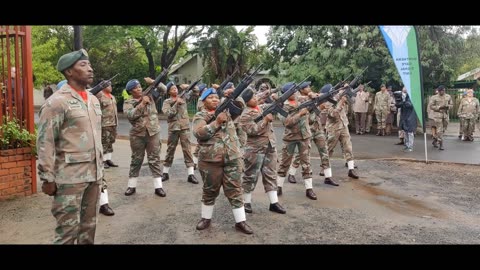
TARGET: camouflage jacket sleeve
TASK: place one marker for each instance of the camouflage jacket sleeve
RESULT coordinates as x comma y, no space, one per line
292,120
133,113
49,125
201,130
248,124
169,108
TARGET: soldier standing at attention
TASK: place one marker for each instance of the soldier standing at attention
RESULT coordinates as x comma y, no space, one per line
260,154
219,161
144,136
175,108
70,154
469,110
108,103
382,109
318,138
371,104
440,104
297,134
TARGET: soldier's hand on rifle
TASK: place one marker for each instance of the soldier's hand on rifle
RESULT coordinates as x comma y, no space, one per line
148,80
228,92
180,101
303,111
49,188
322,106
221,118
146,100
268,118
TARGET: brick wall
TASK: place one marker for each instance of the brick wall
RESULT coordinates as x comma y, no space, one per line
15,173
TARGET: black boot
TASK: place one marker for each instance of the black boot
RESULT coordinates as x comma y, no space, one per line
291,179
277,208
352,174
401,142
106,210
130,191
111,164
192,179
165,177
160,192
441,146
279,191
248,208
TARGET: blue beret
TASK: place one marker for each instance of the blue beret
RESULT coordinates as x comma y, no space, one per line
326,88
202,87
287,86
132,84
67,60
247,94
60,84
170,84
207,93
304,85
228,86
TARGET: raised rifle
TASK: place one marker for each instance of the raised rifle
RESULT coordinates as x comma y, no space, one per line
102,85
187,92
150,91
222,85
228,102
277,105
340,83
265,94
348,91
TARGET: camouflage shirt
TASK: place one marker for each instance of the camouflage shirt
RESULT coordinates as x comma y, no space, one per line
69,141
382,102
177,115
337,117
258,134
296,127
144,119
217,142
469,108
436,102
109,109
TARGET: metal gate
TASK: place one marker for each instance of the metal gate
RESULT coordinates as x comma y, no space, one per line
16,81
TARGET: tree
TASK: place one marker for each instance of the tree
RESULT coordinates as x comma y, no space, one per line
224,50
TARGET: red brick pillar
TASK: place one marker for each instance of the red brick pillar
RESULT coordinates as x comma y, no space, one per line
15,173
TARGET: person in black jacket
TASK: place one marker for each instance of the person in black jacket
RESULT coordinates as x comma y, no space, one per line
408,118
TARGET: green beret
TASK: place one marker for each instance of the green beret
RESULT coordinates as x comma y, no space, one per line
67,60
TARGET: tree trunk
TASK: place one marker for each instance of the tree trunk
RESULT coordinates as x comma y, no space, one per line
77,37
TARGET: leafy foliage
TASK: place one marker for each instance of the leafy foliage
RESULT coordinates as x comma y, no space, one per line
14,136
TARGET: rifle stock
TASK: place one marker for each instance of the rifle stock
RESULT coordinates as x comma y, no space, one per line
102,85
224,83
276,106
236,93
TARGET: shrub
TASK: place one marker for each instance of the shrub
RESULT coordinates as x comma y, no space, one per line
12,135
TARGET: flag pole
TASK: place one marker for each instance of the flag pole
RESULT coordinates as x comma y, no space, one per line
422,94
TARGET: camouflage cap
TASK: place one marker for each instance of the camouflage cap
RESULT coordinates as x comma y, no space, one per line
382,85
67,60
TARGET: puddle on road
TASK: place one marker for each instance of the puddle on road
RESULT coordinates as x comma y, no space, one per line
398,203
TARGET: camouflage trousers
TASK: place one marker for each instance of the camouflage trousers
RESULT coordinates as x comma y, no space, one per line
461,120
140,144
218,174
258,161
381,119
108,138
360,118
342,136
321,142
441,124
288,150
468,127
172,142
75,208
197,149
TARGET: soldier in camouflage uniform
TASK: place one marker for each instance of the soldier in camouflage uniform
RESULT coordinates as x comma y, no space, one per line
175,108
440,104
318,138
201,88
242,136
337,130
219,161
371,105
260,154
70,154
297,134
469,110
382,109
109,133
144,136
